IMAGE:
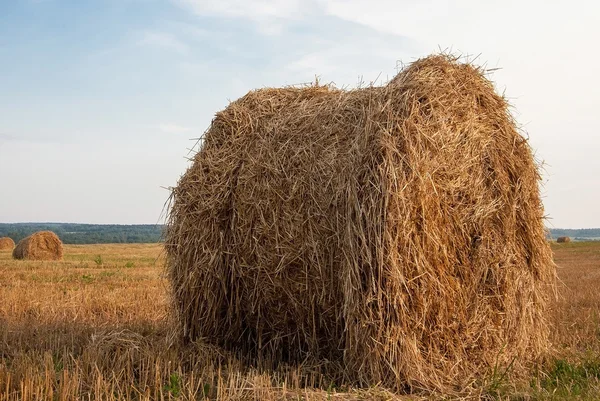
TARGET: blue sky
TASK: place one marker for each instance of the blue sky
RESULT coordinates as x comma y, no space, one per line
99,100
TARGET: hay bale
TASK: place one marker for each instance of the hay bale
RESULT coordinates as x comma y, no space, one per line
42,245
396,230
561,240
6,244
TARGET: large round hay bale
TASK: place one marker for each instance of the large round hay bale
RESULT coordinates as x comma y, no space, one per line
6,244
561,240
42,245
395,230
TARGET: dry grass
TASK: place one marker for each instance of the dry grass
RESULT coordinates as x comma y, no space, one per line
573,371
95,326
578,310
394,234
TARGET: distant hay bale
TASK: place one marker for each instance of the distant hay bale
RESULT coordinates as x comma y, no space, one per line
395,230
563,239
6,244
42,245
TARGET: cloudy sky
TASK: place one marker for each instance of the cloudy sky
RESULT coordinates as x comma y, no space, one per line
100,100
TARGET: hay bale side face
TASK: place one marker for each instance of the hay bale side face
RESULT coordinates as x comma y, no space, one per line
563,239
6,244
396,230
42,245
467,268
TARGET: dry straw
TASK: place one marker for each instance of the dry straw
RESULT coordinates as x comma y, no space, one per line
563,239
6,244
397,231
42,245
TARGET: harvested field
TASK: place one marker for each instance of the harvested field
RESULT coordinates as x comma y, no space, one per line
96,324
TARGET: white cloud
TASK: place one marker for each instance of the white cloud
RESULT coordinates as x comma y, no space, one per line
192,31
173,128
255,10
269,16
7,137
163,40
346,64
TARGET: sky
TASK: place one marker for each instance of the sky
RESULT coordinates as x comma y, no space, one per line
101,101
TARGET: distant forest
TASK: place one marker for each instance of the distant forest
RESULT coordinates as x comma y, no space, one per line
577,234
87,233
146,233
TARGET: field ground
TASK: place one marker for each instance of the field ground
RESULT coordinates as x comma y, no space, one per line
96,326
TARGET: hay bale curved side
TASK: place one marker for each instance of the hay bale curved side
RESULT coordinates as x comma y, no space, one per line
397,230
562,240
6,244
42,245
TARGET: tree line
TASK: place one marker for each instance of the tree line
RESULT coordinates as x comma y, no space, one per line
576,233
71,233
87,233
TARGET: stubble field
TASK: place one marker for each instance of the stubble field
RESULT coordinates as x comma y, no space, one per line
97,326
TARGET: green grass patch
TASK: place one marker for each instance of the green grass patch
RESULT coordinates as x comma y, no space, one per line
566,380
